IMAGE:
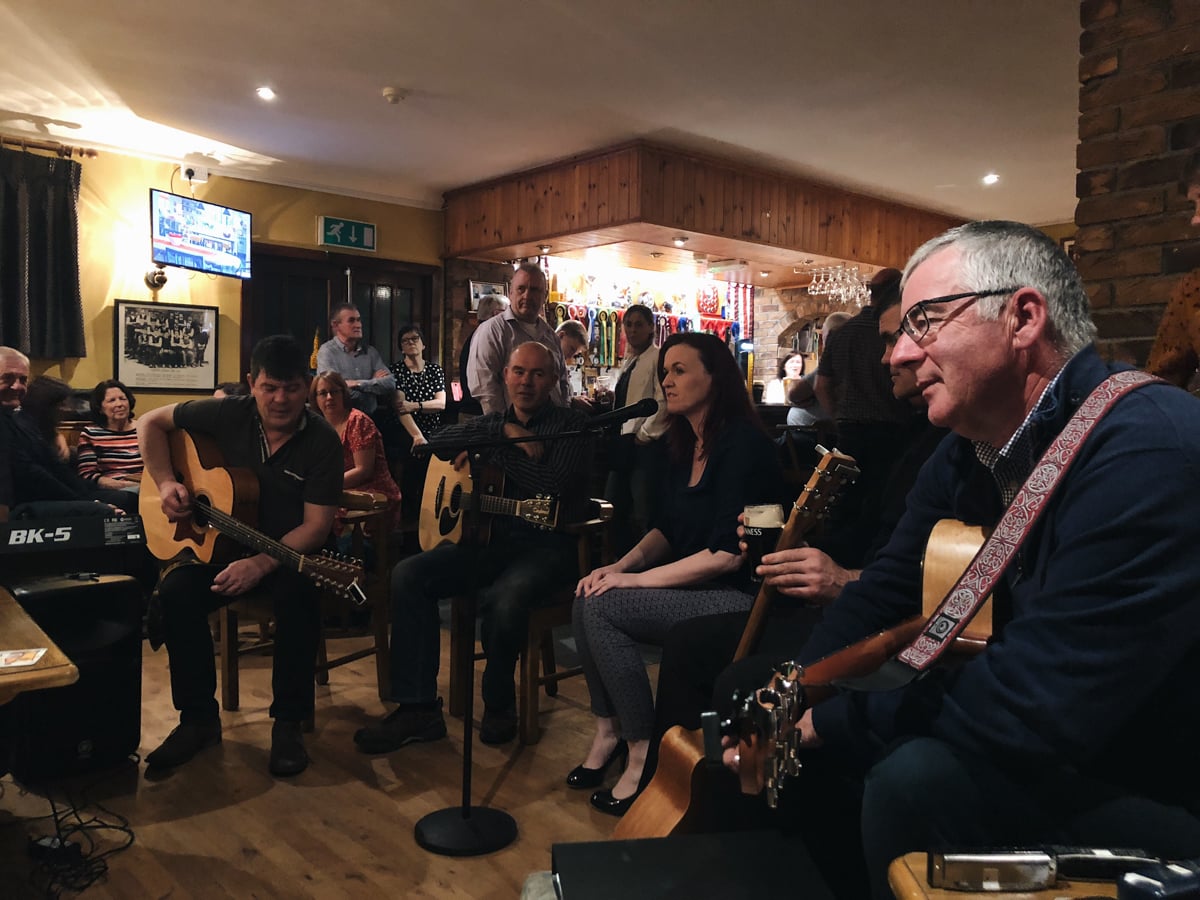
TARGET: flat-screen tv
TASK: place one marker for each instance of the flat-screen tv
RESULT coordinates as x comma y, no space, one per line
193,234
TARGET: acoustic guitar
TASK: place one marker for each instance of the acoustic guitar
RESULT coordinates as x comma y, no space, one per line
455,510
224,512
764,722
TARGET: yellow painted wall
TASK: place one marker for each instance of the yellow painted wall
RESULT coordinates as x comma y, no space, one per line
114,252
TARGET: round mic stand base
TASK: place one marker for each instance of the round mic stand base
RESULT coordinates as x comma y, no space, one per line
470,831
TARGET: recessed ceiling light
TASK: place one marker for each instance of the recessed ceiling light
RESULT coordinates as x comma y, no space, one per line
680,241
656,255
265,93
764,273
991,178
543,249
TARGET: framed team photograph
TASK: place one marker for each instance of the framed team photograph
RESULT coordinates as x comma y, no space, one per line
165,347
480,289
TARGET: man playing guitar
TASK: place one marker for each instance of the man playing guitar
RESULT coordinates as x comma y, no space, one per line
513,571
297,459
1063,730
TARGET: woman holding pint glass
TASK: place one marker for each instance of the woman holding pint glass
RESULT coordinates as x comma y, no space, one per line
688,564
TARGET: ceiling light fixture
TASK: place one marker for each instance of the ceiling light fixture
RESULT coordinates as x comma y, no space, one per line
265,93
656,254
764,273
394,95
543,249
680,241
991,178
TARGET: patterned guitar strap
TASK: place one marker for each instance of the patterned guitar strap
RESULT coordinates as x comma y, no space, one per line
967,596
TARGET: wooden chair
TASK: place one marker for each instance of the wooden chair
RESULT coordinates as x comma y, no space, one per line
366,511
593,544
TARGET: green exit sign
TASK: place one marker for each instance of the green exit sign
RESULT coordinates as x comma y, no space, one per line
334,232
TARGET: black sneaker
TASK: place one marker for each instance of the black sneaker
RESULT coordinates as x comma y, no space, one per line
404,725
498,726
184,742
288,756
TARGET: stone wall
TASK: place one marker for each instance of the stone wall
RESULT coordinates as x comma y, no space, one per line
1139,118
779,314
458,318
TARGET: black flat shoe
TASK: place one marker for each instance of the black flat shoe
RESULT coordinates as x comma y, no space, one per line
583,777
604,801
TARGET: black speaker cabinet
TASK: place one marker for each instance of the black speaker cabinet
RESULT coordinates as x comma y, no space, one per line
95,723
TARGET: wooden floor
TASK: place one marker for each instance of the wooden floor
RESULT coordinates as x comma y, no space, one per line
221,826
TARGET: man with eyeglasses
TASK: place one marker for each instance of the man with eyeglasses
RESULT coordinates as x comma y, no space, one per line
1064,729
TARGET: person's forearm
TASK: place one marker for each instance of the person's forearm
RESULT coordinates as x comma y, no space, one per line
702,566
152,443
409,424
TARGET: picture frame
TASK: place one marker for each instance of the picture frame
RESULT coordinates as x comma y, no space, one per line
165,346
480,289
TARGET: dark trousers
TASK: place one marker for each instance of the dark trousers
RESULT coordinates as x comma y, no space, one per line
186,600
512,575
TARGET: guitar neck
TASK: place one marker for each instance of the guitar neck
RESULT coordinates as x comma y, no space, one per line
255,540
493,505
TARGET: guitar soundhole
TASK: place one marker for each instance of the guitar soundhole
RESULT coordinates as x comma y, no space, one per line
200,506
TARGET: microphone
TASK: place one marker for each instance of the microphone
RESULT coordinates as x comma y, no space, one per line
646,407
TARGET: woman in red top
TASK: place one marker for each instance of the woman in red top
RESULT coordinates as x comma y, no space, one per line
362,448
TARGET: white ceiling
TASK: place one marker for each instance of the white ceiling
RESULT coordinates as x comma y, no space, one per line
913,100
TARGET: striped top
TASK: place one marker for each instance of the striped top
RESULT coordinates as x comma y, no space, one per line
104,452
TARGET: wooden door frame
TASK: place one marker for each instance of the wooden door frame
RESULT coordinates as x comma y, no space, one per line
341,261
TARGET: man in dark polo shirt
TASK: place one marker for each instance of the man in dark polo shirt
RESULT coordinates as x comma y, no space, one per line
297,458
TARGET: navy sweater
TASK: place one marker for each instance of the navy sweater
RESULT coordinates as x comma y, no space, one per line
1098,668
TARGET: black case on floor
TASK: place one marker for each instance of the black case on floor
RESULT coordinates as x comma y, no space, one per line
95,723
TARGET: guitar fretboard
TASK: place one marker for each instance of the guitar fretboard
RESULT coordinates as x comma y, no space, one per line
244,534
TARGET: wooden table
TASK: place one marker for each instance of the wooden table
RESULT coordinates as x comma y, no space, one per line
19,632
906,876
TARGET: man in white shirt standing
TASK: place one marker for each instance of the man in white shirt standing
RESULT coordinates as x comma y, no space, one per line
493,342
631,456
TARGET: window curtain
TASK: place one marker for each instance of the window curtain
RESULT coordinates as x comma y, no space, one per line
41,313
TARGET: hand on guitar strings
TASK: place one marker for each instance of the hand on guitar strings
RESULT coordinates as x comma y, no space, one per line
176,501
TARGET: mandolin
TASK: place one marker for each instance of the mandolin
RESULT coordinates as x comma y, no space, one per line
224,511
763,723
455,509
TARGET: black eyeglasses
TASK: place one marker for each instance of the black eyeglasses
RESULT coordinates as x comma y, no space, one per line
915,323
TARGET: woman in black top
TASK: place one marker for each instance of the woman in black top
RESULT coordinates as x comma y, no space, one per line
687,565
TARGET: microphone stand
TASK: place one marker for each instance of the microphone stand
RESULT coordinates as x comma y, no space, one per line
467,830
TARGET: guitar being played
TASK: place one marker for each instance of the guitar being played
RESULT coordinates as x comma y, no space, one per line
519,564
296,459
1061,730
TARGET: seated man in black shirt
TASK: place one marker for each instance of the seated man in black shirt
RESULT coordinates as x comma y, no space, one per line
297,458
518,568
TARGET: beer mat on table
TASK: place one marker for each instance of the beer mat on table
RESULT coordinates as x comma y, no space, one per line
13,659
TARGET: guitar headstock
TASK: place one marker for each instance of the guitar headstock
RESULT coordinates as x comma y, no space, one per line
342,576
832,473
541,511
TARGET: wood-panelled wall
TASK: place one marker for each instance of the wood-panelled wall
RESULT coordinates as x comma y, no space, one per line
645,183
720,198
